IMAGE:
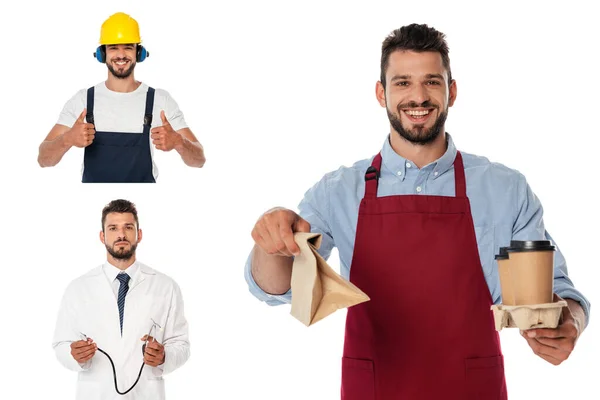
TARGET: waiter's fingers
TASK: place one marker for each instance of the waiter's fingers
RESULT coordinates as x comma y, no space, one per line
544,351
279,246
287,236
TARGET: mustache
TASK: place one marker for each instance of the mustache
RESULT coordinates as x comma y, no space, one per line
115,59
414,104
121,240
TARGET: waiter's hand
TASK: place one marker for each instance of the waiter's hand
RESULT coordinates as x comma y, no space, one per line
155,352
81,134
83,350
164,137
555,345
274,231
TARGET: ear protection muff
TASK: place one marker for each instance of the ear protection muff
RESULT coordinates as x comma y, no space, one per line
140,55
100,54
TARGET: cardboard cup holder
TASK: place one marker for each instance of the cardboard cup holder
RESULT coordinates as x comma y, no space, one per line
527,317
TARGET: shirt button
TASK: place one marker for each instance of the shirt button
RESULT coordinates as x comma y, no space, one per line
408,165
399,173
419,189
435,173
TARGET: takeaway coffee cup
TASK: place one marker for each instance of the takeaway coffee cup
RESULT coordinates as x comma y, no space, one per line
527,276
508,297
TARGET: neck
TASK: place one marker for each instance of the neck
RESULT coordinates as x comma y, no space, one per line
121,264
126,85
421,155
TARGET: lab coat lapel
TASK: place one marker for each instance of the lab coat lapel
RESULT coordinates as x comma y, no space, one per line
144,273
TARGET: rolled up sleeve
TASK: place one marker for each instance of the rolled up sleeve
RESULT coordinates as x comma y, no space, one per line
314,208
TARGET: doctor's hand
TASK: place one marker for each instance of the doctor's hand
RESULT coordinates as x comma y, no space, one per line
81,134
155,352
83,350
274,231
555,345
164,137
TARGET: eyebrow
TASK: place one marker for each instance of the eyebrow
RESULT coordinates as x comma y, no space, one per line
407,77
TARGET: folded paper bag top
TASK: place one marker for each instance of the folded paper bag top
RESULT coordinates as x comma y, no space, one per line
317,290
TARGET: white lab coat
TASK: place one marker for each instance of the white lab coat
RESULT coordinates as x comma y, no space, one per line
89,307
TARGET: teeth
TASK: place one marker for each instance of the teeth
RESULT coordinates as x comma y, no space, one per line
417,113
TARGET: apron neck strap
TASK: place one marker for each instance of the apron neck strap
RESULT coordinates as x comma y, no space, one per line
373,172
459,176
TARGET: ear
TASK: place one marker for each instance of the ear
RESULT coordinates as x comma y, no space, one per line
453,92
380,94
102,237
139,235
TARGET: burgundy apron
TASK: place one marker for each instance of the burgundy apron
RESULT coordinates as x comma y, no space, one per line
427,333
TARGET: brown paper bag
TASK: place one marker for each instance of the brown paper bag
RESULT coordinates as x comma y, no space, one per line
317,290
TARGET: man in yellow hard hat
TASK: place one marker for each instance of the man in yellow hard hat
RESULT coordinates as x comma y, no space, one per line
119,122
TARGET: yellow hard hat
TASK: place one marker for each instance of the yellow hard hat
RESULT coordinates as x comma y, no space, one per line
120,28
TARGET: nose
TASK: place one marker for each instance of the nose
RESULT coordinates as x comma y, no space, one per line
419,94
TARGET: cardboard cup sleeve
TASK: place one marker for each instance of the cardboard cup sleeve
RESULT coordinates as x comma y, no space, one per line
317,290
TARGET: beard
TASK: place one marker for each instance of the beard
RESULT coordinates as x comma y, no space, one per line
419,134
121,74
122,254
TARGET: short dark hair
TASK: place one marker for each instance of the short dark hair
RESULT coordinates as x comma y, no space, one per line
120,206
417,38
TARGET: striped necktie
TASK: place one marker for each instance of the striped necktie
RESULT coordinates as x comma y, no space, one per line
123,288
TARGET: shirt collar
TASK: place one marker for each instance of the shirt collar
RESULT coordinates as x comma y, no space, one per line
111,271
396,164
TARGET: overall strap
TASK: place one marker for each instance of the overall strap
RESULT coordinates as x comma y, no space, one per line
149,108
372,177
459,176
89,116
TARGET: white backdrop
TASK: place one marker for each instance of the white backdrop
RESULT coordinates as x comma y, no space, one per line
279,93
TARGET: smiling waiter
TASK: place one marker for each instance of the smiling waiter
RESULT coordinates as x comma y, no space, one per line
417,227
119,121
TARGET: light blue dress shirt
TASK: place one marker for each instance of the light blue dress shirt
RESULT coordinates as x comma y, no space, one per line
504,208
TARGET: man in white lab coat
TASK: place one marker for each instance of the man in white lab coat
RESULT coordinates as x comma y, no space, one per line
118,307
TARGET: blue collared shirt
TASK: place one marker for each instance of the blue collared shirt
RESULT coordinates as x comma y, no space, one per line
504,208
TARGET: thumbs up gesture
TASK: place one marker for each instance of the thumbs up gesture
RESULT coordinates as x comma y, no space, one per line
164,137
81,134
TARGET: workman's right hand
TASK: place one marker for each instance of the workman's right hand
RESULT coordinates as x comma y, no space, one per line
274,231
83,350
81,134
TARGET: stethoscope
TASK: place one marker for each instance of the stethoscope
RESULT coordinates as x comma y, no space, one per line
153,327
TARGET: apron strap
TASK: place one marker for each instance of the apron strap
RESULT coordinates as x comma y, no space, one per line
149,108
89,116
459,176
372,177
373,172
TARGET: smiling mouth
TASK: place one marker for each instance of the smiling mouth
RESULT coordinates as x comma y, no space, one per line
121,63
419,116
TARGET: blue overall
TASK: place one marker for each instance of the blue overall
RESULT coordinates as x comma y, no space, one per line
119,156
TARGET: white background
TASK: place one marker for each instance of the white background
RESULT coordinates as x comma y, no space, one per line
279,93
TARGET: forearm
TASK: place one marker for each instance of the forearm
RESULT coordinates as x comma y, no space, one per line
272,273
578,314
192,153
52,151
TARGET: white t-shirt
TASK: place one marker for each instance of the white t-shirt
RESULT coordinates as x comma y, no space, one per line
123,112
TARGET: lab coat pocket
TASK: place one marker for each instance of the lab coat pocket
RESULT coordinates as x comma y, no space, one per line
148,311
485,378
358,379
485,248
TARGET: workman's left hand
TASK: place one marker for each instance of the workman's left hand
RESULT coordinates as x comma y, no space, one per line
555,345
164,137
155,352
